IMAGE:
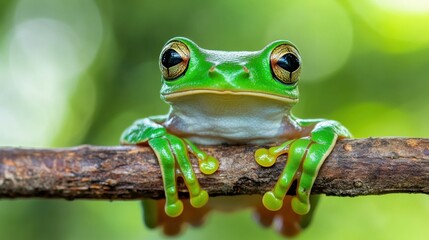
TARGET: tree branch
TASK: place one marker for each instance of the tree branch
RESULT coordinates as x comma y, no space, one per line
355,167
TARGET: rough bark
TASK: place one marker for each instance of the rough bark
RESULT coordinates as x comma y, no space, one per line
355,167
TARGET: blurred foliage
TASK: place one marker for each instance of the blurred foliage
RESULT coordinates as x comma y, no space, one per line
81,71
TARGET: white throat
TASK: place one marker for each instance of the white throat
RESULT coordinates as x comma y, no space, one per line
214,119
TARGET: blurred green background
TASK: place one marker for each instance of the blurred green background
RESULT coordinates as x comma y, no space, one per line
74,72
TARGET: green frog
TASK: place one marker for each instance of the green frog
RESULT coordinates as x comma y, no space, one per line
233,97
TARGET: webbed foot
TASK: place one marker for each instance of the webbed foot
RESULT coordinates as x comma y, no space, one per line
306,156
173,158
170,150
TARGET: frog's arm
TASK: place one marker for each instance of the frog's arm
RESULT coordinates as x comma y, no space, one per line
306,156
171,151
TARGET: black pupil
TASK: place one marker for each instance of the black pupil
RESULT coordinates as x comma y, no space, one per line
289,62
170,58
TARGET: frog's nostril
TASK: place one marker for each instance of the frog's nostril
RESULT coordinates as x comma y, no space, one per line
245,69
211,70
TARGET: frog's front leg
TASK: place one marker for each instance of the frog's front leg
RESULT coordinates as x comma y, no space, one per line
306,156
172,154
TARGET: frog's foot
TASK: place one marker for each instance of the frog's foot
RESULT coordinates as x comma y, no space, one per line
169,150
273,200
306,155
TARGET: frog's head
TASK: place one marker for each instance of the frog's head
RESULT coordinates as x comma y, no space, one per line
270,74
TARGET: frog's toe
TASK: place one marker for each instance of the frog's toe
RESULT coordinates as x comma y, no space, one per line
271,202
209,165
299,207
264,158
200,200
174,209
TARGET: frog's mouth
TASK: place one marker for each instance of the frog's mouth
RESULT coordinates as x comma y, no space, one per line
285,99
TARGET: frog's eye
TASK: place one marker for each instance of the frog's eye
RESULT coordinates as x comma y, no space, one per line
285,64
174,60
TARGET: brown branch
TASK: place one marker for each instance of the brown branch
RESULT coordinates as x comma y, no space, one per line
355,167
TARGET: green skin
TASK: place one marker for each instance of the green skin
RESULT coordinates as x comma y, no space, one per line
217,75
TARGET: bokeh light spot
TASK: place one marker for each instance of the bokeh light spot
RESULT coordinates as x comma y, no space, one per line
322,31
406,6
375,119
403,24
45,53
